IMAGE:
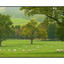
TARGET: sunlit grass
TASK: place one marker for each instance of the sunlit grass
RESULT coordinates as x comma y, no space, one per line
42,48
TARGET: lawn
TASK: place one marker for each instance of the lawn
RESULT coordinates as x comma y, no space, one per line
42,48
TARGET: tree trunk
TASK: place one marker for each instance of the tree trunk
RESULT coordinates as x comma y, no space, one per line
31,41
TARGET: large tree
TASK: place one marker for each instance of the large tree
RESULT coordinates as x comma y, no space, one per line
5,29
55,13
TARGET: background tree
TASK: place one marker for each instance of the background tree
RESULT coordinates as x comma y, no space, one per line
51,30
60,31
5,29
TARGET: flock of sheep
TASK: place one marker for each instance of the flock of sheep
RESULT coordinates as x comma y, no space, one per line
59,50
19,49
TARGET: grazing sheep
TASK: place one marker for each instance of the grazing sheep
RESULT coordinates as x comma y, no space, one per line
37,46
61,50
14,50
33,49
23,50
29,50
8,49
58,50
56,43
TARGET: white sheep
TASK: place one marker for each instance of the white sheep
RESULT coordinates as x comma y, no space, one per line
8,49
37,46
14,50
61,50
56,43
33,49
23,50
29,50
58,50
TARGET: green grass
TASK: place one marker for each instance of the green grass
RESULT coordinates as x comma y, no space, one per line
20,21
46,48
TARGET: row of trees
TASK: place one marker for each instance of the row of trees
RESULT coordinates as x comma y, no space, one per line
42,31
29,31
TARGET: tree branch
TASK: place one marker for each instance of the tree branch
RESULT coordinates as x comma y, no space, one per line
54,19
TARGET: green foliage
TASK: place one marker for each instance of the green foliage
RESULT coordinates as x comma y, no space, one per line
60,32
54,13
44,24
51,30
5,29
30,29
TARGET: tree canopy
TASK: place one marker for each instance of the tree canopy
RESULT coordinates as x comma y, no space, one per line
5,29
55,13
31,31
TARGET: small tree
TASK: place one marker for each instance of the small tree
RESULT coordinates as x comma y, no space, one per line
5,29
30,30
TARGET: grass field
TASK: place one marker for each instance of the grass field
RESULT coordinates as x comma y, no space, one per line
20,21
42,48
